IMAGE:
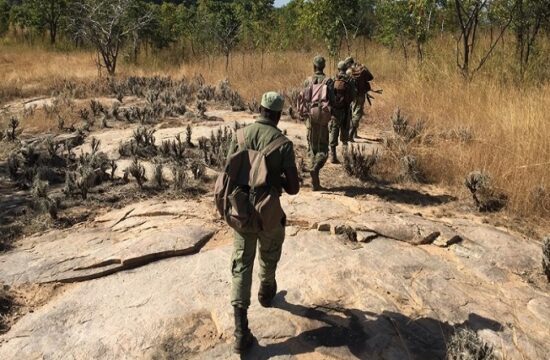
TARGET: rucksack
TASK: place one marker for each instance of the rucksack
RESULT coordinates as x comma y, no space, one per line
362,77
242,195
314,102
343,93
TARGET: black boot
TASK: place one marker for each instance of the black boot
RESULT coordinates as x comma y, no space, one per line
267,293
243,336
334,156
315,182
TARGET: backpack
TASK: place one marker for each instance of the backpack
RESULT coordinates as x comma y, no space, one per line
314,103
342,93
242,195
362,77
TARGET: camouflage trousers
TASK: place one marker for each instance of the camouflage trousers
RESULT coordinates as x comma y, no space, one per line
270,244
358,110
318,141
339,127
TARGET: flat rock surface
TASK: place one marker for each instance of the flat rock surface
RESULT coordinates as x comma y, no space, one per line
384,300
120,239
152,280
387,299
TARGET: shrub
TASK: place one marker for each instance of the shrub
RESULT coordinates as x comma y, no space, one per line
114,166
201,108
198,170
465,344
11,133
142,144
138,172
14,164
189,135
42,201
96,107
180,178
410,170
358,163
402,128
159,179
485,196
7,302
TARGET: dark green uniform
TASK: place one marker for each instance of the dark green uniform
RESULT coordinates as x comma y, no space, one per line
318,135
340,125
257,136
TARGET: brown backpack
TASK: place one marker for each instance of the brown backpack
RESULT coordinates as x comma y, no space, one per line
362,77
343,93
314,102
242,195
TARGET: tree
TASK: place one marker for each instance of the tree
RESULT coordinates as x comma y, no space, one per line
394,25
421,13
529,18
469,14
108,25
405,22
50,15
329,20
4,17
42,15
221,18
257,18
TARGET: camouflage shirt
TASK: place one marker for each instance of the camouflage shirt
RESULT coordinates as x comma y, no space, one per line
260,134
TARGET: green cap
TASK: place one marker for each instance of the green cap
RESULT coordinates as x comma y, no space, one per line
342,66
319,62
273,101
349,61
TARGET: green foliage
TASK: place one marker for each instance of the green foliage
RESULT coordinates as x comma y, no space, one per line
4,16
206,28
42,15
221,19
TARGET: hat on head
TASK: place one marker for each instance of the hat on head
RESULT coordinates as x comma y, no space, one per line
319,62
273,101
342,66
349,61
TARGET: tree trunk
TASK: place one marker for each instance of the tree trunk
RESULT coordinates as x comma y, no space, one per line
226,62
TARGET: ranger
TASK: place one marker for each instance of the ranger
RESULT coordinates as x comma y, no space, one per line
315,106
345,92
261,163
362,77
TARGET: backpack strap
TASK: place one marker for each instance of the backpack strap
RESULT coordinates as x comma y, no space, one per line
241,139
274,145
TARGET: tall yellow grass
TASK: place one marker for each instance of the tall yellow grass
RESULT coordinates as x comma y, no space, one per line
510,125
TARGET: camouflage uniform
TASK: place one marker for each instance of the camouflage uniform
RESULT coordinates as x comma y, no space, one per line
318,135
257,136
358,106
339,126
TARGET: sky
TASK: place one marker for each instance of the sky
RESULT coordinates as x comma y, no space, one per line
279,3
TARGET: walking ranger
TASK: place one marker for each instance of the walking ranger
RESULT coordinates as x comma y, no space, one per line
362,77
315,105
345,92
261,163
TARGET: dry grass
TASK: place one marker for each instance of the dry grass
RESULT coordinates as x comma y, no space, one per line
488,124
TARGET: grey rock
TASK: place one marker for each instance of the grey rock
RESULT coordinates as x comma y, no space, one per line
366,236
117,241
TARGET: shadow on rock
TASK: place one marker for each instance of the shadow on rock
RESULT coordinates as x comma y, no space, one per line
353,333
391,194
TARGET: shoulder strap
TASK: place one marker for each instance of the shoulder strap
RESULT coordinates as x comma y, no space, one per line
274,145
240,139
